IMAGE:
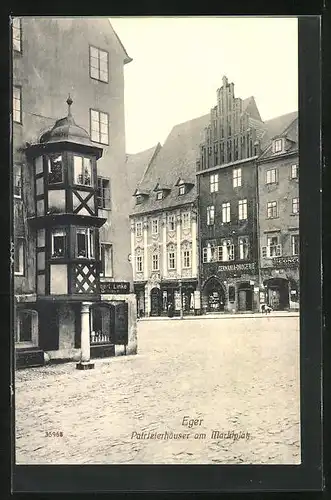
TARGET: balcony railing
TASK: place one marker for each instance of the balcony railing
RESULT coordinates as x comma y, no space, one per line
99,337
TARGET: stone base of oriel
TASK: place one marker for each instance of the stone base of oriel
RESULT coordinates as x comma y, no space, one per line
85,365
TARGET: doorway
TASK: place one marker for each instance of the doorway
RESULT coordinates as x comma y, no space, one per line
245,297
278,293
214,295
156,302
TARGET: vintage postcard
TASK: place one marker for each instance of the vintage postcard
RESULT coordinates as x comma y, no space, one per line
156,242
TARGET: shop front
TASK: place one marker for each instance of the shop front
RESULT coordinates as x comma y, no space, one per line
177,296
281,284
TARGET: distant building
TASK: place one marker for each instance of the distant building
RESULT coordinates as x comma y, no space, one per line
164,226
63,262
278,188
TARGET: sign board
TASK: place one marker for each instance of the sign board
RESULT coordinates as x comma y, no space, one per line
292,261
116,287
248,268
197,299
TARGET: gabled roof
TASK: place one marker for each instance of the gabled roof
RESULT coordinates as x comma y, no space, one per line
127,58
176,159
249,105
281,126
137,164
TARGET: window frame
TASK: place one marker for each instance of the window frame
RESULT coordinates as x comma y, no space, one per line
294,243
58,231
242,209
171,258
279,141
88,231
274,177
187,253
155,259
237,177
181,189
19,100
295,204
213,183
50,158
159,195
226,212
296,167
155,222
91,185
186,220
16,29
98,59
99,112
269,207
104,270
20,252
139,263
139,233
103,198
16,176
210,218
241,246
171,220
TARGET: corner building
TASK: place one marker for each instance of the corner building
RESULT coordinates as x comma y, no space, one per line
227,189
71,249
278,185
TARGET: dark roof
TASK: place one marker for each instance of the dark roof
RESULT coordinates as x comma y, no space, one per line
176,160
249,105
285,126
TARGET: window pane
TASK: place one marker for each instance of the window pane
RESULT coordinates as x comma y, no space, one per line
94,52
78,166
81,243
94,72
55,169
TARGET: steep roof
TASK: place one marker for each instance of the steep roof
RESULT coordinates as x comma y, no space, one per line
176,160
127,58
277,126
250,106
138,163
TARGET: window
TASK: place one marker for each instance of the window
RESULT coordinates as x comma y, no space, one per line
171,260
139,263
17,34
243,248
82,171
139,199
186,220
236,177
103,197
273,248
155,262
242,209
271,176
99,64
58,243
171,222
106,257
295,205
85,238
213,183
227,250
99,127
155,226
55,169
182,189
226,216
159,195
24,326
278,145
272,210
17,104
139,229
212,251
17,181
295,244
186,259
210,215
294,171
204,254
19,257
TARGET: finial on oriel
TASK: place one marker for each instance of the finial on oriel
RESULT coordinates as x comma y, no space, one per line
69,102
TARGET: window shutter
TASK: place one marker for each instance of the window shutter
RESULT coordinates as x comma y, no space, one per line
121,323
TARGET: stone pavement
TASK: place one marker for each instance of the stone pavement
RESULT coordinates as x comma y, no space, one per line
240,378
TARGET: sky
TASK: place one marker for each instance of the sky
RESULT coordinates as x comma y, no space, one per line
178,64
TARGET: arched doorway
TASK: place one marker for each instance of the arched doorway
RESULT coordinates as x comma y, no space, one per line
245,297
277,293
156,302
214,295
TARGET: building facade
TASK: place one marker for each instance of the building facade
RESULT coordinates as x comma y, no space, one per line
59,214
164,238
227,188
278,185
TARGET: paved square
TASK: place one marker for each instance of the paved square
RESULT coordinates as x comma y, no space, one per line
237,376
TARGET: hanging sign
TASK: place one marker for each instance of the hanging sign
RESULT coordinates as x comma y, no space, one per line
116,287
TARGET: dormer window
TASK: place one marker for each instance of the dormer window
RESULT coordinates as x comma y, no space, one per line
182,189
139,199
159,195
278,145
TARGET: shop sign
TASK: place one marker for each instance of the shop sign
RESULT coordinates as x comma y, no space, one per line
248,268
116,287
292,261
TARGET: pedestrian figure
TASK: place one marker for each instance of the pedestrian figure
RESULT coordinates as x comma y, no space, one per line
170,310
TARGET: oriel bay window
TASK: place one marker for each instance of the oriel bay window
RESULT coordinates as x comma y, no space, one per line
82,171
55,169
243,243
58,243
85,242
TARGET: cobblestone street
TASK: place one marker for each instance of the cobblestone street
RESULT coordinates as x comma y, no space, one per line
236,375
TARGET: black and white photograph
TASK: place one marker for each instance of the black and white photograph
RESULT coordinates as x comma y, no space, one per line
155,246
